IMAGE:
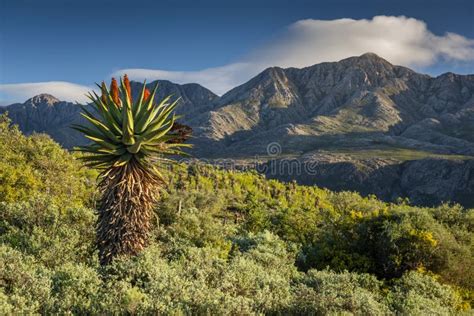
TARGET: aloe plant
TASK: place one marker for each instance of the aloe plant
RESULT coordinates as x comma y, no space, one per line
130,139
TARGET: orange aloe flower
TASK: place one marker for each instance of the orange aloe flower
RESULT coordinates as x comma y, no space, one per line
114,92
146,94
104,93
127,86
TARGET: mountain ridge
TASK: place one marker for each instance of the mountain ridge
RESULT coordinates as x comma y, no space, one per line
357,94
361,112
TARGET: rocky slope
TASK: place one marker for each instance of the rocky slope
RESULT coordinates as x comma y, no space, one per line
46,114
365,124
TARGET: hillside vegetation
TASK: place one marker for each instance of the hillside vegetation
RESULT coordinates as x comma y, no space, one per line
224,242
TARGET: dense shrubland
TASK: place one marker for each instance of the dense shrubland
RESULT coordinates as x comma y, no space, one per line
223,243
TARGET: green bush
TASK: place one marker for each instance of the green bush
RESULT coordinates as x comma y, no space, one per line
393,241
25,283
36,164
326,292
52,234
75,288
418,294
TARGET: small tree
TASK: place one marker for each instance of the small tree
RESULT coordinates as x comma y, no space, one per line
130,138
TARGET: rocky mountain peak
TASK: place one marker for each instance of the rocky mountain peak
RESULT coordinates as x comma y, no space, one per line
42,99
368,62
268,86
364,71
371,56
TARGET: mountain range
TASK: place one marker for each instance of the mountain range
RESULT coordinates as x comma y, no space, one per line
365,125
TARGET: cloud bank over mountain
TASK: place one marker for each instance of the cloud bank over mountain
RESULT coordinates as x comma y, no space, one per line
400,40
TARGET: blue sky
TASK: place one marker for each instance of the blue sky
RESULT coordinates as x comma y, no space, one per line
65,46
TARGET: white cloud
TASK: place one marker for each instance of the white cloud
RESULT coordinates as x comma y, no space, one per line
65,91
401,40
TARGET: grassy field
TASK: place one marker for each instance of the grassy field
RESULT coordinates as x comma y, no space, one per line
356,153
386,152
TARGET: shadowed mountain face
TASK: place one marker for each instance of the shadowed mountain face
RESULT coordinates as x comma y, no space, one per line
369,125
46,114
